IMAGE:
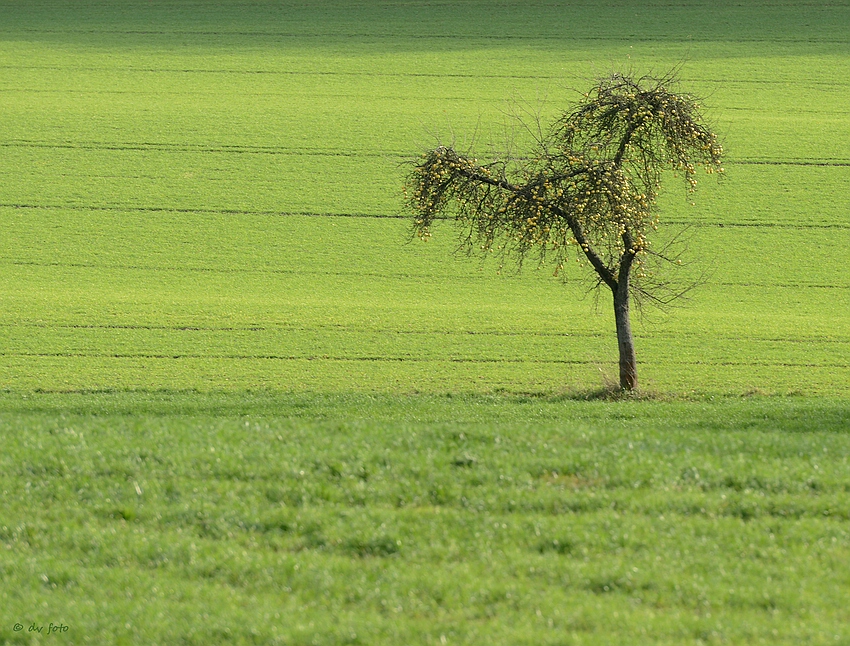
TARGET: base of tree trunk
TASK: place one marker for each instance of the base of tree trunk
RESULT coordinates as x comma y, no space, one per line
628,376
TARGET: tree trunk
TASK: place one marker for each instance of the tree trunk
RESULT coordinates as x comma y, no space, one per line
625,342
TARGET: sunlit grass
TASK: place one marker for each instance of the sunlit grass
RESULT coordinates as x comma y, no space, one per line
184,518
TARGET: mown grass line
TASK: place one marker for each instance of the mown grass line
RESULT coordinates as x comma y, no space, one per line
376,330
721,83
164,209
406,275
255,150
471,40
392,359
380,216
234,149
660,379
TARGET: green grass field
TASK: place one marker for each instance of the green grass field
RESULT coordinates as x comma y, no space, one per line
331,519
239,405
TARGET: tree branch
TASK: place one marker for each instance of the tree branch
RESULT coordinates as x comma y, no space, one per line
598,264
626,259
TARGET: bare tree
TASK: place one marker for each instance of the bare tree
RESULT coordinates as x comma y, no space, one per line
588,187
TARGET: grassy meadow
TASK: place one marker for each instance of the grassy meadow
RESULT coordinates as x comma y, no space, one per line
239,405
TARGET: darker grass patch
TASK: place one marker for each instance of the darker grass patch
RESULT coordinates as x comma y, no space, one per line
272,525
557,545
602,585
464,461
125,513
380,546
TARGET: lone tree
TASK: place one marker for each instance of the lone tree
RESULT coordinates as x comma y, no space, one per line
589,187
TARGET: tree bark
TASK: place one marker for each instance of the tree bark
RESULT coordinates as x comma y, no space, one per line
625,341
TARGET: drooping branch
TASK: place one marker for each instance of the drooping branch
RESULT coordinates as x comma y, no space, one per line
604,272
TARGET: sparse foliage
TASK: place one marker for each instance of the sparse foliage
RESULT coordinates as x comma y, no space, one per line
589,187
